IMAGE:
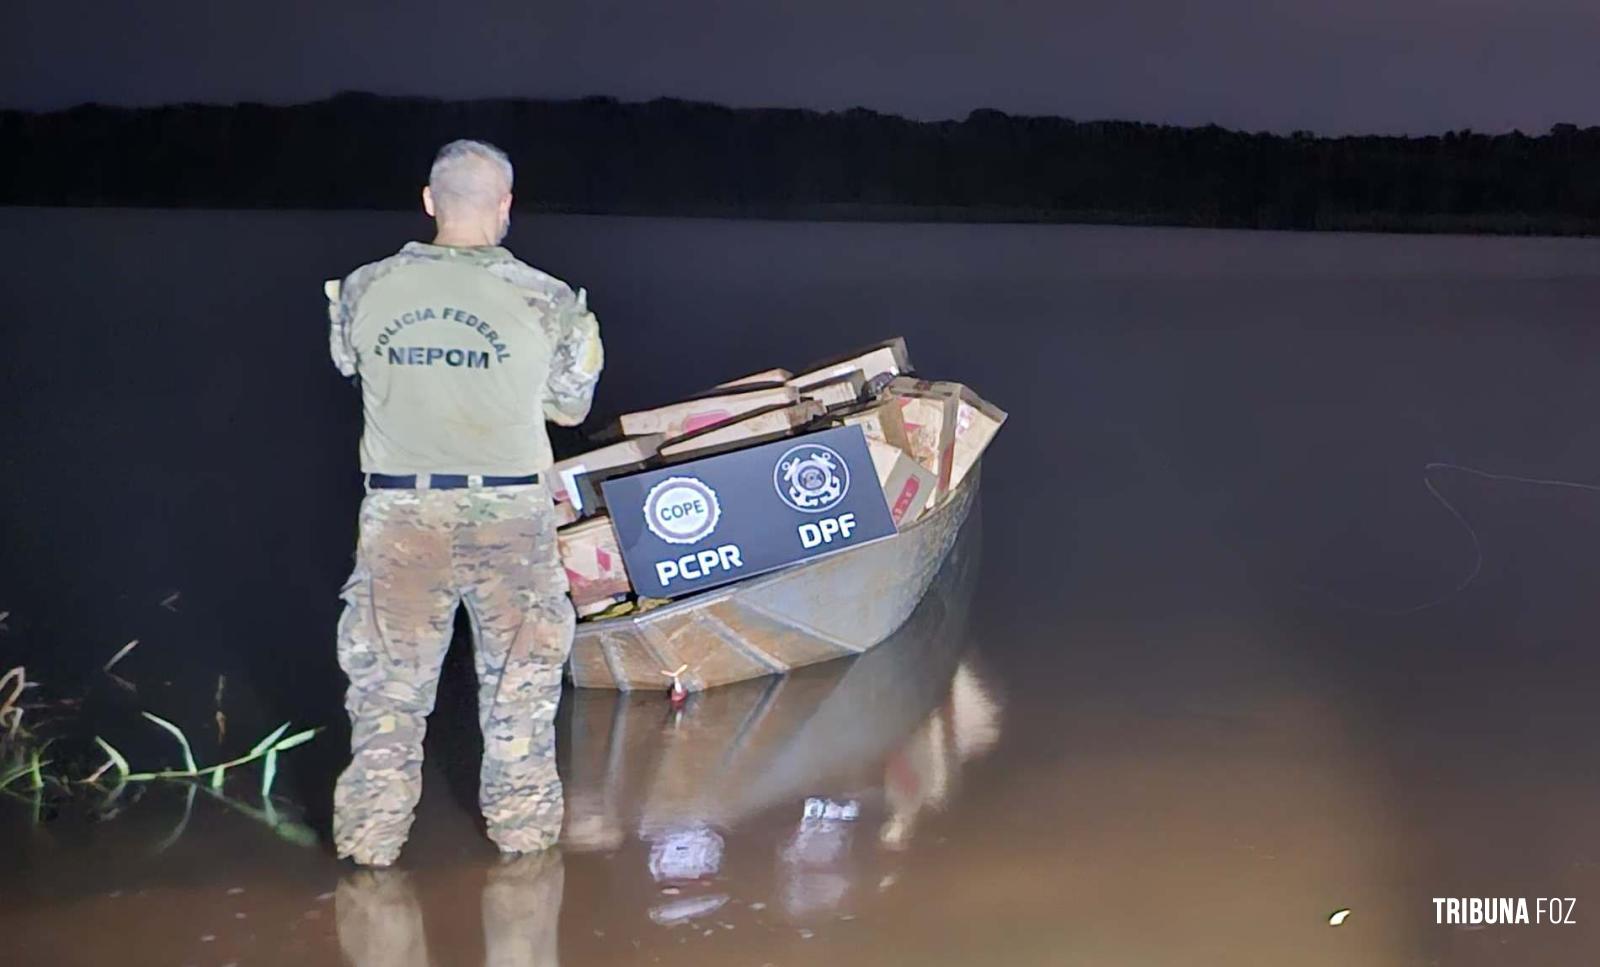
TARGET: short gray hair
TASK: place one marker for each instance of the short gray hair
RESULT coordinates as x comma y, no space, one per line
459,177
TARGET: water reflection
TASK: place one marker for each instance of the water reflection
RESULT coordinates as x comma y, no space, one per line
854,752
380,920
380,924
922,772
833,767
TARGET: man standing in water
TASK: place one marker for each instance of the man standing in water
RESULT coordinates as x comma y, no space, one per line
462,353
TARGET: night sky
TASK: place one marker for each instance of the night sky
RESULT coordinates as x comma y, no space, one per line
1337,66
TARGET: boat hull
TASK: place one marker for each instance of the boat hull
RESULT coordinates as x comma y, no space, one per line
823,609
739,751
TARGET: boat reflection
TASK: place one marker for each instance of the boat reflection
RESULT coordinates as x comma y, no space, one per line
854,751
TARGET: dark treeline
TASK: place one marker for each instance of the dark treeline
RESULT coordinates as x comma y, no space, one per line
675,157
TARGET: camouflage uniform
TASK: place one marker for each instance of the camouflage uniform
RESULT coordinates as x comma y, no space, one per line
420,554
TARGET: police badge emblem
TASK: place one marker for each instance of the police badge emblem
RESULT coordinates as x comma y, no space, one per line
811,478
681,510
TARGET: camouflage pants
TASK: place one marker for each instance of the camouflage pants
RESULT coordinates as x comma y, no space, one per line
421,553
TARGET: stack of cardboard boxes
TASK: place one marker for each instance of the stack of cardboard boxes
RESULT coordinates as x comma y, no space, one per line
924,438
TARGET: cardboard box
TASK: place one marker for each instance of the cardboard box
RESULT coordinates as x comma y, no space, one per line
880,421
593,562
565,473
690,415
592,608
756,379
885,358
977,421
908,486
930,419
763,422
589,492
839,391
976,425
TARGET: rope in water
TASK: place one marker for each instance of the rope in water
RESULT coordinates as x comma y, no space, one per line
1477,545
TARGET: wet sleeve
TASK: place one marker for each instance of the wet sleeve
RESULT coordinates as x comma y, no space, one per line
576,361
339,345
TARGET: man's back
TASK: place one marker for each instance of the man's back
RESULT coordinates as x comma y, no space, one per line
456,348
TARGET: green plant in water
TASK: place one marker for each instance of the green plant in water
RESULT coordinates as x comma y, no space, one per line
20,756
285,827
12,684
18,765
23,765
21,753
266,750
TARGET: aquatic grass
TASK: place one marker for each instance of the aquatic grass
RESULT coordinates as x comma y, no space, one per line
221,717
272,737
113,758
183,821
177,733
286,827
22,761
14,771
21,754
36,767
299,738
269,772
269,769
25,764
121,654
10,712
266,750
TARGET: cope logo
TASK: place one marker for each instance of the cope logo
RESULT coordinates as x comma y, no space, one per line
811,478
681,510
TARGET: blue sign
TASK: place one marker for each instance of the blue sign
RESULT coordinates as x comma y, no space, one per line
709,522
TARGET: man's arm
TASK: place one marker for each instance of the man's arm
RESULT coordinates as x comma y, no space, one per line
576,362
343,297
339,347
577,355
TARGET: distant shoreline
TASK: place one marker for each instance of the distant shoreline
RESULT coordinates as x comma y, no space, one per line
669,158
1511,226
1508,224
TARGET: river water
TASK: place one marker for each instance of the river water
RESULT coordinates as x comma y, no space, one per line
1207,668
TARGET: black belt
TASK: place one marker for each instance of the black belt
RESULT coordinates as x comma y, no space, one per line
444,481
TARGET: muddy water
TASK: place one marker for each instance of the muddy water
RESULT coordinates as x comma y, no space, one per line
1174,701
